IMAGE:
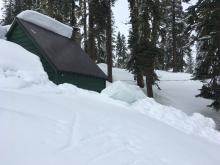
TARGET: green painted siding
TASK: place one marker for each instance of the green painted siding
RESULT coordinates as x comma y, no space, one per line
17,35
82,81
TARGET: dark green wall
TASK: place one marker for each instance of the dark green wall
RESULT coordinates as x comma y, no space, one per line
82,81
18,35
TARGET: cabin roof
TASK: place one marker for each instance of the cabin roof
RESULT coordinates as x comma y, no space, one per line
64,53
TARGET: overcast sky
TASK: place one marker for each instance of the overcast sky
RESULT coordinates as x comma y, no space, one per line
1,8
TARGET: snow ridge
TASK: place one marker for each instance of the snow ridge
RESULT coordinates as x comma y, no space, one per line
196,124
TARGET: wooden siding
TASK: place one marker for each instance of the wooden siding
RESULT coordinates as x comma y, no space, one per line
82,81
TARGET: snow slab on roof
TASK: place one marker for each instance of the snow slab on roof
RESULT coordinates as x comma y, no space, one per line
46,22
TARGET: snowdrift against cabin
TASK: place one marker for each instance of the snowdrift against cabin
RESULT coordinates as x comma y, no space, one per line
46,22
19,68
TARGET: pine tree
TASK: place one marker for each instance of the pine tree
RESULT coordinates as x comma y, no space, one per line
8,12
91,40
175,41
204,17
133,42
109,4
145,19
84,24
121,51
189,64
148,40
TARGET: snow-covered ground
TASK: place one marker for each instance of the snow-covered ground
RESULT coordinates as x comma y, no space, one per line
42,123
177,90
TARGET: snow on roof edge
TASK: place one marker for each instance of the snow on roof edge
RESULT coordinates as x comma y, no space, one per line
46,22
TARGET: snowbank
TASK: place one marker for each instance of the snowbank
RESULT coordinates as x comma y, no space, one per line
18,67
46,22
196,124
55,125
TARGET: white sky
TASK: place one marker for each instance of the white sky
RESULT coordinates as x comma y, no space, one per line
121,14
1,8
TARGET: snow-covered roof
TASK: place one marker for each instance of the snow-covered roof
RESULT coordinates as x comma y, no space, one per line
46,22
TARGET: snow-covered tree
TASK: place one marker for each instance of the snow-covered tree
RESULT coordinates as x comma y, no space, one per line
204,18
145,19
189,64
121,51
175,41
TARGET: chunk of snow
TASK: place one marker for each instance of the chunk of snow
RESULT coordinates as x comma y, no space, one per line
18,67
124,92
46,22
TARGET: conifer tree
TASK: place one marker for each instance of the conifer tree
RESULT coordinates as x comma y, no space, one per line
133,42
175,41
189,64
84,23
145,19
121,51
8,12
204,17
109,32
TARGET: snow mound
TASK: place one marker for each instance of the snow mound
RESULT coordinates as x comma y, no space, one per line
18,67
46,22
196,124
124,92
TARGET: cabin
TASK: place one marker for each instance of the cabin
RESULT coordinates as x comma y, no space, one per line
62,58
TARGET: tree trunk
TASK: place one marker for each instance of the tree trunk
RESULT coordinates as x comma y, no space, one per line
140,80
134,49
109,41
149,88
91,41
73,17
174,36
85,26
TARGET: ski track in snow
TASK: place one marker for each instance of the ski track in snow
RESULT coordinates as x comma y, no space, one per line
72,139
